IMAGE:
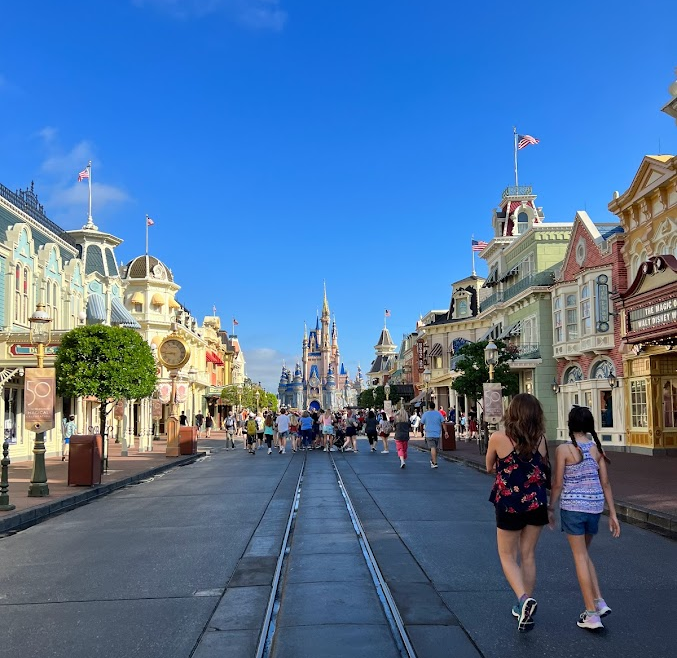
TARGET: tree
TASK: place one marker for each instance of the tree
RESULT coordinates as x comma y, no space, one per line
366,398
375,397
229,395
475,372
108,363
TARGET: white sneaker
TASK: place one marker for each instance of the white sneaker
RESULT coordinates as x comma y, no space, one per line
282,452
325,450
384,452
270,452
433,465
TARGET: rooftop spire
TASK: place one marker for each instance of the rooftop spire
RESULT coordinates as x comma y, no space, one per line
325,303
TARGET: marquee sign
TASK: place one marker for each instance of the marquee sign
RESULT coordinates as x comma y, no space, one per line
648,317
26,349
420,354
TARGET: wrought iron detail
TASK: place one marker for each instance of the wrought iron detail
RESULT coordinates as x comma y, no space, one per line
603,370
27,201
573,375
517,190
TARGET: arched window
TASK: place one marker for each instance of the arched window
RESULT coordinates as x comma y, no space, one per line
573,375
25,300
602,369
557,319
522,223
586,314
17,294
55,305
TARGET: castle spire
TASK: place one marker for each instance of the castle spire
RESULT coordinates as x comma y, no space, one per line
325,303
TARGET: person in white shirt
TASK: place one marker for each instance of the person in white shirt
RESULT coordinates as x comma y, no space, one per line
282,424
415,421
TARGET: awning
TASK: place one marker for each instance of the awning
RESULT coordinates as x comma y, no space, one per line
513,330
436,350
137,297
213,358
490,333
174,304
96,308
158,299
492,279
120,316
511,272
417,400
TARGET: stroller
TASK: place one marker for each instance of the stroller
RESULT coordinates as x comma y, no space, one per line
339,438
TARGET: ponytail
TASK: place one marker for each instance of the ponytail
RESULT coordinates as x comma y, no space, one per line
581,420
599,445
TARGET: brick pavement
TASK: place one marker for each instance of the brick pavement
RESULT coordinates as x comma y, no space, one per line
645,488
121,471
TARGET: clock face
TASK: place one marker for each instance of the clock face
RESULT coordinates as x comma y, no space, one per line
174,353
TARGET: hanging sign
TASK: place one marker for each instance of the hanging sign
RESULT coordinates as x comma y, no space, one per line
39,398
119,410
156,409
493,402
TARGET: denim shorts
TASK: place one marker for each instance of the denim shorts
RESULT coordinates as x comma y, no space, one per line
432,441
579,523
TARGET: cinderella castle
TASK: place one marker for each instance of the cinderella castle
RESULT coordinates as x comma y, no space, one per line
321,381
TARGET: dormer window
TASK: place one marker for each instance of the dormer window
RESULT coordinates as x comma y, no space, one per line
461,305
522,223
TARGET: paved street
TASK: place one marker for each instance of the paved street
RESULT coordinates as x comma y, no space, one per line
182,565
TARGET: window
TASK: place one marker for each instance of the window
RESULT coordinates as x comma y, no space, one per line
437,362
17,295
571,317
24,301
557,320
606,408
54,311
670,403
586,319
528,329
522,223
638,405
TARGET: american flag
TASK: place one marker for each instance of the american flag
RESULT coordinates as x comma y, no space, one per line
387,313
525,140
84,174
479,245
235,322
149,221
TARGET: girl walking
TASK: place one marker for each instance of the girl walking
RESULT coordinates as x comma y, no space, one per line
327,430
402,427
519,457
268,432
371,430
384,430
209,423
582,481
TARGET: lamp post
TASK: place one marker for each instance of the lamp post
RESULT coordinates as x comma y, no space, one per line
258,395
192,374
40,333
491,358
426,379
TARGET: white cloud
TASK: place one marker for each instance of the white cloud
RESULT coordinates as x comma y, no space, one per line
264,365
255,14
47,134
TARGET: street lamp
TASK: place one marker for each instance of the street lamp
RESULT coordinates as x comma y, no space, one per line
192,374
39,336
258,395
491,358
613,380
426,379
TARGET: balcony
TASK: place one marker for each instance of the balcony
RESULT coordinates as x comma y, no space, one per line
525,351
491,300
517,190
536,279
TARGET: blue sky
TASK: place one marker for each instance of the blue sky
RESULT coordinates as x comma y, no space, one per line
277,143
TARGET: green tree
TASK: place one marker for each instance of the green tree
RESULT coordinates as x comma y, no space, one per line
270,401
366,398
108,363
229,395
475,372
375,397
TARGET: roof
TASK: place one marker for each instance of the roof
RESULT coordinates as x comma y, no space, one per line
144,267
385,339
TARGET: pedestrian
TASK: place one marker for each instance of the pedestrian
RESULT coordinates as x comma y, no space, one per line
229,425
294,430
327,429
69,429
452,415
472,428
259,430
415,422
251,434
282,423
371,428
582,479
463,423
402,427
268,431
431,421
351,432
519,456
444,414
199,419
384,430
209,423
306,424
183,419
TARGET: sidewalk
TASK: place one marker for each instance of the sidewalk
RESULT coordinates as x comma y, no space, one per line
645,488
122,471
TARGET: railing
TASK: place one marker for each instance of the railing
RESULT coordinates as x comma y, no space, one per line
537,279
491,300
525,351
27,201
517,190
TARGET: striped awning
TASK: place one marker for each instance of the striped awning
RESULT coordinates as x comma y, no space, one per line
96,308
490,334
513,330
436,350
492,279
214,358
120,316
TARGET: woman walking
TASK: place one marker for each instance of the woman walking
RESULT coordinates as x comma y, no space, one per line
306,430
327,430
351,432
371,430
384,430
415,421
581,479
294,430
268,431
69,429
209,423
402,427
519,457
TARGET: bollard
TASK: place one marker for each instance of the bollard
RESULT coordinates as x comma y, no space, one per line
4,480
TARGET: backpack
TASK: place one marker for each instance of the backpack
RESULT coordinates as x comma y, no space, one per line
259,424
230,422
251,426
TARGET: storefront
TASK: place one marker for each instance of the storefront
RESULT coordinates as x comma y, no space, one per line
649,315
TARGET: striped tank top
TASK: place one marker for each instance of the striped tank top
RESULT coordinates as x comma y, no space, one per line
581,488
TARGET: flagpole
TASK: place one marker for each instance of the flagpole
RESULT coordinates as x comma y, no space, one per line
514,130
90,219
473,256
146,235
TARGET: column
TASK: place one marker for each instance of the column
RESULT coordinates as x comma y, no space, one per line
130,424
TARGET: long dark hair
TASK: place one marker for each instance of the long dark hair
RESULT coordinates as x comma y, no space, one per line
581,420
525,423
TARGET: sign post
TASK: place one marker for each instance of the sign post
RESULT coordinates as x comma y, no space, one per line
40,398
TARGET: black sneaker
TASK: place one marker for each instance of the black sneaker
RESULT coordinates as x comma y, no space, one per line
525,620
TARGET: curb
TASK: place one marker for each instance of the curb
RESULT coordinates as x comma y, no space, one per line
30,517
642,517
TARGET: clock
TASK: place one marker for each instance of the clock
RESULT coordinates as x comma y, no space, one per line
173,353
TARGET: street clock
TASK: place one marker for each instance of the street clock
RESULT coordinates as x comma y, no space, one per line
173,353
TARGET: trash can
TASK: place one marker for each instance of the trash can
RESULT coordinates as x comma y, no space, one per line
188,440
449,440
84,460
